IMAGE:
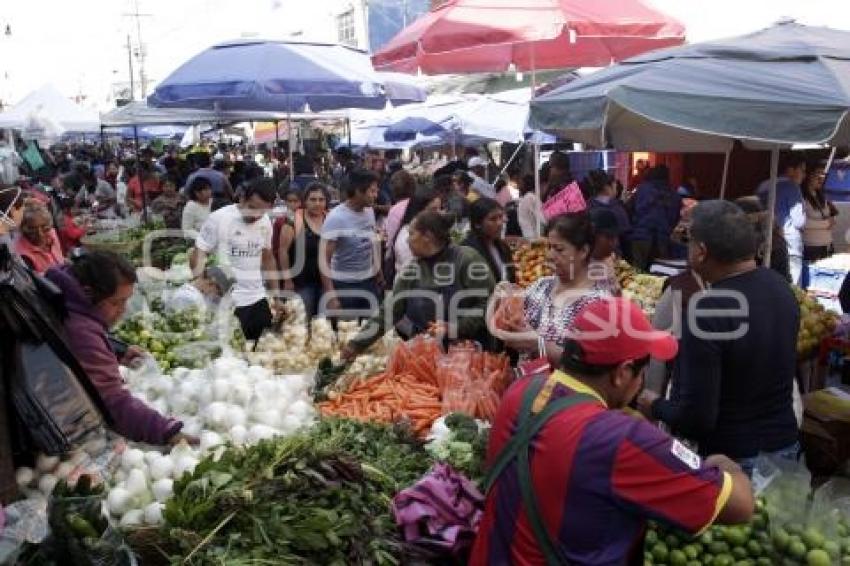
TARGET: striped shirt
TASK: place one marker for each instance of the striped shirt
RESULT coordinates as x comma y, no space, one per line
598,475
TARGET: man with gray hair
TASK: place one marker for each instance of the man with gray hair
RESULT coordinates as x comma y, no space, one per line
733,379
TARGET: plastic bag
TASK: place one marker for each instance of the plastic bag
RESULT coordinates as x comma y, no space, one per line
830,509
785,486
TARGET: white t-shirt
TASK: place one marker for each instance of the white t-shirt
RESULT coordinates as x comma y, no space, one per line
401,248
194,216
529,213
354,234
187,296
239,246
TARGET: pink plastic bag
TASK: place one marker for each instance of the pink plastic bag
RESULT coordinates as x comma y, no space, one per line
568,200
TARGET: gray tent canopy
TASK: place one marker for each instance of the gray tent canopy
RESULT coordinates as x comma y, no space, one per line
787,84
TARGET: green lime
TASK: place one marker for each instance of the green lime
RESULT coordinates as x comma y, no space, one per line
718,548
647,559
740,553
706,538
812,538
797,549
794,528
691,551
818,557
723,560
695,563
764,561
759,521
672,541
736,536
651,537
832,548
745,562
660,552
781,539
754,548
677,558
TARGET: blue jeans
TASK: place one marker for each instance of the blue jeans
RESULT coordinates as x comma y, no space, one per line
310,295
788,453
363,304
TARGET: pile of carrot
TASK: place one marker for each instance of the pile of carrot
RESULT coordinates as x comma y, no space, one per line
389,398
422,383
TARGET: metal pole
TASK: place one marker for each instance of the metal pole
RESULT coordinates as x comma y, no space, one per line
829,162
130,64
511,160
139,176
348,129
537,185
290,148
725,174
771,205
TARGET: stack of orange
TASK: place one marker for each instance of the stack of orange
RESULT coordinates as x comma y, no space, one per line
530,261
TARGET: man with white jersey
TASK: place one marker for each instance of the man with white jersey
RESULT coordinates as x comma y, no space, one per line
241,236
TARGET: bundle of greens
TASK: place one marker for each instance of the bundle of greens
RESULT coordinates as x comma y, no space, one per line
321,497
462,444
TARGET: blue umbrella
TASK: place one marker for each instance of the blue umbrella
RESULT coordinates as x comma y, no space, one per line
280,76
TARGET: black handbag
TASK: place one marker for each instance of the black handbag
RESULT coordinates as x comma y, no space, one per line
49,399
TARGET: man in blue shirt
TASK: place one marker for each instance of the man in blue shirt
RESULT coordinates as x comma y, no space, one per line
789,208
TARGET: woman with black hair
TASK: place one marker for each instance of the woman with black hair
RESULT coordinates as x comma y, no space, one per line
297,247
423,296
487,219
552,303
423,199
820,216
96,288
198,209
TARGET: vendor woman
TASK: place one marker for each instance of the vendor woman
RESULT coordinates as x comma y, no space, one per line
552,303
439,270
96,287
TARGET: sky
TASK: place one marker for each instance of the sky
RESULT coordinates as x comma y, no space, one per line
80,46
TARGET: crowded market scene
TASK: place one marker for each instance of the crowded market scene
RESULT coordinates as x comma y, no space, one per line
486,282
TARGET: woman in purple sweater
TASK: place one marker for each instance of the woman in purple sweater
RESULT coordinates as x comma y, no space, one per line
96,287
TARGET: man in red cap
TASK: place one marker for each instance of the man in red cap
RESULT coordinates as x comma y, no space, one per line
572,479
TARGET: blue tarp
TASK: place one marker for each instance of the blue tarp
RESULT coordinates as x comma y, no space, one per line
783,85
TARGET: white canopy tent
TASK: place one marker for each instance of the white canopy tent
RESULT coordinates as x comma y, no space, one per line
47,109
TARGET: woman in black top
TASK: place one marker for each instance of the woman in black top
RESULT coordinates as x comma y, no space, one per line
298,249
487,220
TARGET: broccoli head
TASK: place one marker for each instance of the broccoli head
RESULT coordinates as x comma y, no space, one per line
463,427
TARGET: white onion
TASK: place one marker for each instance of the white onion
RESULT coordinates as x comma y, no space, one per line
163,489
45,463
118,500
184,464
260,432
210,439
24,477
161,468
153,513
64,470
132,458
238,435
137,482
132,518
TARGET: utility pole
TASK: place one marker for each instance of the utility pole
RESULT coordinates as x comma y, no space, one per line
130,64
143,80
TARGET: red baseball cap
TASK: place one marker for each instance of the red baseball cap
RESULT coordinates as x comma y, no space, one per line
615,330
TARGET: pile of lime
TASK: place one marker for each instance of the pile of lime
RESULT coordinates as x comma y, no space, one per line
161,333
754,544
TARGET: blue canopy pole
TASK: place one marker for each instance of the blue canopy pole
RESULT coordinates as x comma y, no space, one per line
725,173
771,205
139,176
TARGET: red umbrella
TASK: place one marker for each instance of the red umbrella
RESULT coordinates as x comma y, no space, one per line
463,36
